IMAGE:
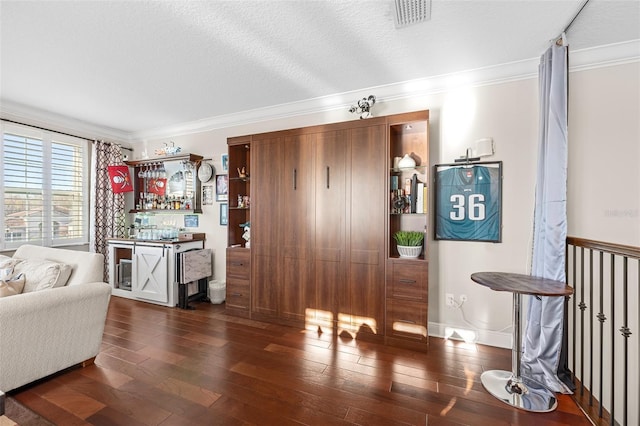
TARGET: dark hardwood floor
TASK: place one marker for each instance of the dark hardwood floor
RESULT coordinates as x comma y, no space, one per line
161,366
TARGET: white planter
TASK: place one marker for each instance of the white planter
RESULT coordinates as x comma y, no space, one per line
409,251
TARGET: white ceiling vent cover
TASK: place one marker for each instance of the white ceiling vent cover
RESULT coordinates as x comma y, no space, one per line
412,11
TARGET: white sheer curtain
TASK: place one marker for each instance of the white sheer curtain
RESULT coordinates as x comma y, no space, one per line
543,338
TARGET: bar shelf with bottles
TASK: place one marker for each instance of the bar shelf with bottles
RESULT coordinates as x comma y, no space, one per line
166,185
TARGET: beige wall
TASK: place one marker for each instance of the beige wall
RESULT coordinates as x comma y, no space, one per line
604,154
604,184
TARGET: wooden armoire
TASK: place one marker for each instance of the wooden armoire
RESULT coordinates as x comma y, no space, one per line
321,253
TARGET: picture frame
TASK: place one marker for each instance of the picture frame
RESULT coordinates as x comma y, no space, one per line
222,187
468,201
207,195
224,214
191,221
225,162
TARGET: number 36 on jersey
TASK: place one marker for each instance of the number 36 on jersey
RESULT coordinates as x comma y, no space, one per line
468,199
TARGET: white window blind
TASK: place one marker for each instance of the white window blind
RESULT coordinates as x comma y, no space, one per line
45,182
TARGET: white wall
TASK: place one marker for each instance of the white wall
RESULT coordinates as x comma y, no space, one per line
604,154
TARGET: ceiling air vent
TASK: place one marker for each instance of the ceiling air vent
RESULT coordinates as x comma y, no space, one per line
412,11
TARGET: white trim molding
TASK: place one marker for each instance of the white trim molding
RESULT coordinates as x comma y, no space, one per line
596,57
606,55
483,337
56,122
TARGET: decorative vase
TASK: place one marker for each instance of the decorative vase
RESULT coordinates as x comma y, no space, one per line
407,162
409,251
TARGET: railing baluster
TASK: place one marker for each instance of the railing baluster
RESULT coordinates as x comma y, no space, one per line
626,333
573,314
590,328
613,340
602,319
582,306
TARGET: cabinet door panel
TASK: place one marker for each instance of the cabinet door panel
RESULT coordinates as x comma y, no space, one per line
150,269
238,263
296,292
407,279
332,297
367,228
237,294
265,225
407,320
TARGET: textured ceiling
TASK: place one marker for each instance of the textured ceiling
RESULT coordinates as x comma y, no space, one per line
139,65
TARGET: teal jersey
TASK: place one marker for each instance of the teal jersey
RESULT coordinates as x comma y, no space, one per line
468,203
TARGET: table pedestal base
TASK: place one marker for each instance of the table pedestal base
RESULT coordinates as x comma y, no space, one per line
519,392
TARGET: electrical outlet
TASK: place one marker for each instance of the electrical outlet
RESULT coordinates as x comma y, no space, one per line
450,299
463,298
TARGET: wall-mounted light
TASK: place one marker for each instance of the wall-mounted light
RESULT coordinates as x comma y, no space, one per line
484,147
363,109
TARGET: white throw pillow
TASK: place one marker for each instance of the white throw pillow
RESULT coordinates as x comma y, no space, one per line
65,274
12,286
6,266
41,274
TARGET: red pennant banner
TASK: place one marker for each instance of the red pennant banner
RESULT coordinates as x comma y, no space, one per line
157,186
120,179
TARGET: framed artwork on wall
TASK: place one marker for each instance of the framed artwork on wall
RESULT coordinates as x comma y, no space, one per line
225,162
468,201
222,187
224,214
191,221
207,194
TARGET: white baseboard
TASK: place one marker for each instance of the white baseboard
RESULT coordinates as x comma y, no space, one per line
484,337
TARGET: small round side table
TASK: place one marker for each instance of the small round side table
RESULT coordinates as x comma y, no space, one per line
510,387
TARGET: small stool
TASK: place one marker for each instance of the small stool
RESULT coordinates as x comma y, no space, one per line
510,387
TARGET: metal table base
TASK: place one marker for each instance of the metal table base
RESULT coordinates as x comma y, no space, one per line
519,392
513,389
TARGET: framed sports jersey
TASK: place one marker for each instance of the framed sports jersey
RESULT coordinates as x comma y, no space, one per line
468,201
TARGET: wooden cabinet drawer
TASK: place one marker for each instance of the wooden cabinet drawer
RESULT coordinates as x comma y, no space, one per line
408,280
407,320
237,294
238,264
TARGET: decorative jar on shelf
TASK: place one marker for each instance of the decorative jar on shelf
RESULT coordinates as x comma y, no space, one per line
407,162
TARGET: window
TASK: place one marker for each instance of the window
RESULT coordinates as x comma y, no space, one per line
45,181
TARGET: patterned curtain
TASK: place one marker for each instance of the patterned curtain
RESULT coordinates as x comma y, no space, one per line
107,210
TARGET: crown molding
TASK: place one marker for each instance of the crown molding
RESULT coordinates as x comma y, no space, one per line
56,122
580,60
606,55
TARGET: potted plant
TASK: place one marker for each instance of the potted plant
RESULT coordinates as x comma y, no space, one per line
409,243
